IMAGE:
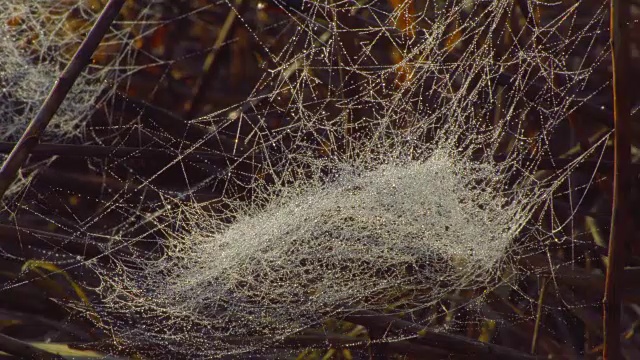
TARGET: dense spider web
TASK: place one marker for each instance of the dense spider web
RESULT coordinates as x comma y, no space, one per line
386,159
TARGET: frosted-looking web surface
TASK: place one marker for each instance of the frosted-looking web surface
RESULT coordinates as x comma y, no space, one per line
408,231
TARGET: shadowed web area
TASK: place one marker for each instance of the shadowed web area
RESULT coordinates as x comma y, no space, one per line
410,158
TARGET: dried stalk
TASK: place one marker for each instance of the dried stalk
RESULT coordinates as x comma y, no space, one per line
612,302
193,104
127,152
536,329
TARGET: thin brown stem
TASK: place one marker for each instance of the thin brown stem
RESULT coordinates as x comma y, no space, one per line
122,152
80,60
118,152
612,302
193,105
536,329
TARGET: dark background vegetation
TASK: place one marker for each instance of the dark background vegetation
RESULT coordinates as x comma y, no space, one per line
207,67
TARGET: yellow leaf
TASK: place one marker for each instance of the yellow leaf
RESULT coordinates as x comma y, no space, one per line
36,265
488,328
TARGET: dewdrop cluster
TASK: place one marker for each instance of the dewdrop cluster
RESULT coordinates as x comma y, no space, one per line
412,230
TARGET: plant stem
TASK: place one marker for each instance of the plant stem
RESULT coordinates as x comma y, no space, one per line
193,105
80,60
536,329
612,302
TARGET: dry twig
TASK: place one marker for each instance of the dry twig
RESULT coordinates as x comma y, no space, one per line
193,104
612,302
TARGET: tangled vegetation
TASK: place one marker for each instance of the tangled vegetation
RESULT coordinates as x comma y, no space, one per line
311,179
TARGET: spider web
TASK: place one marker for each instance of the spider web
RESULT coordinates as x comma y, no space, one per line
385,158
39,39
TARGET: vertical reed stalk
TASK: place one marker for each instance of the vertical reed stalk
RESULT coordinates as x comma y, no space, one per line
612,303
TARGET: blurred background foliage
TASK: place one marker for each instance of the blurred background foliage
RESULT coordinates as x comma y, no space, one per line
179,60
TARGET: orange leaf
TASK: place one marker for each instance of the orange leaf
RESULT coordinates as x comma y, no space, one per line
407,11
